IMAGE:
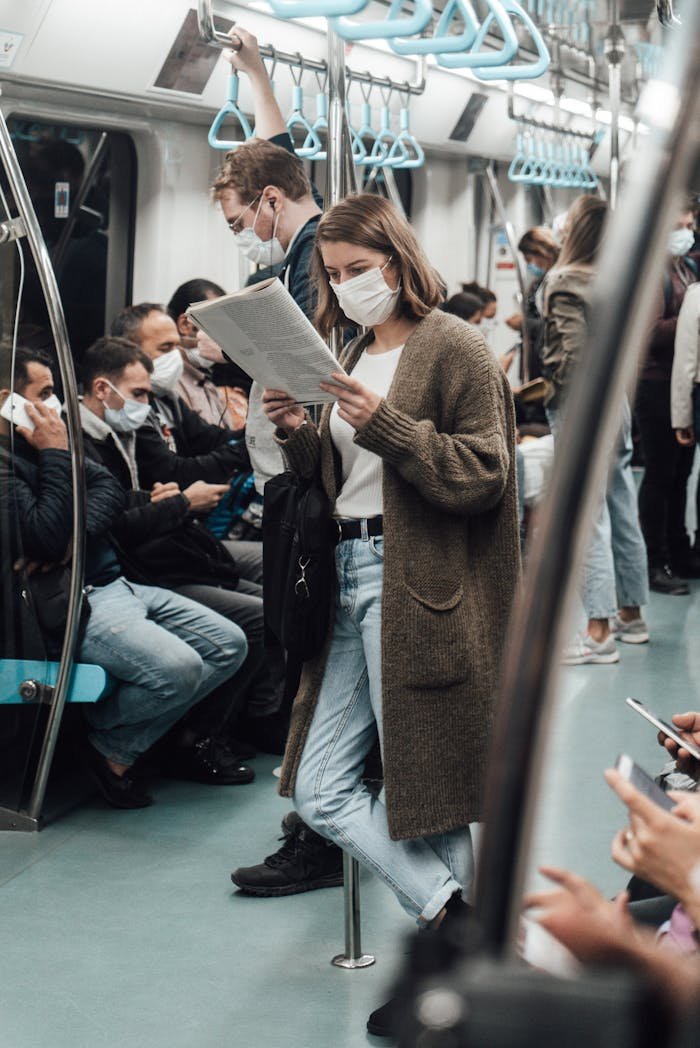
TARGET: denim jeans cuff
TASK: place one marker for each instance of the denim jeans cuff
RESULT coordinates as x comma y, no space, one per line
433,906
109,754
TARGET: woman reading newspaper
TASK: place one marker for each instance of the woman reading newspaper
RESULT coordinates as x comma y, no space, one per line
417,457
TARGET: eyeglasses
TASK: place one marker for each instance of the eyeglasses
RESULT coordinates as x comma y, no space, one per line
235,224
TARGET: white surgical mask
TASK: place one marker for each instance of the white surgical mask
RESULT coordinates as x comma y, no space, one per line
367,299
198,361
129,417
680,242
54,404
260,252
167,371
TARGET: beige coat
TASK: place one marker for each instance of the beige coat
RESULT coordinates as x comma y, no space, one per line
451,564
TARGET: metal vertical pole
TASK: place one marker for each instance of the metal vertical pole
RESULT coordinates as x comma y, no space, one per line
614,52
54,307
340,179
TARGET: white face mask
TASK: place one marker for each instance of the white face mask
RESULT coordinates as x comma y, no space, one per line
198,361
54,404
367,299
260,252
167,371
129,417
680,242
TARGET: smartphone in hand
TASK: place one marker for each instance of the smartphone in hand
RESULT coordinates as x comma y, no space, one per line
638,778
14,410
664,726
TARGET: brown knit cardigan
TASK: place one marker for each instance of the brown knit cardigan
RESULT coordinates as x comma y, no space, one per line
451,562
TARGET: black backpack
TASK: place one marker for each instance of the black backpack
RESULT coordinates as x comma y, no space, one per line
298,564
187,555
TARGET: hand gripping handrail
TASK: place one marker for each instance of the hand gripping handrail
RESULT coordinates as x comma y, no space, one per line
393,25
525,70
406,142
312,143
316,8
442,41
229,108
478,57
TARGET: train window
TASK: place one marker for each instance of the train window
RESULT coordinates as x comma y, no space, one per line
83,185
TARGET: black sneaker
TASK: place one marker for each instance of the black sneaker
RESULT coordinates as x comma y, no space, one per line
662,580
121,791
383,1021
305,861
209,761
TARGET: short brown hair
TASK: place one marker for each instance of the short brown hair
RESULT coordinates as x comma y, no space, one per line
539,241
257,164
108,357
586,221
372,222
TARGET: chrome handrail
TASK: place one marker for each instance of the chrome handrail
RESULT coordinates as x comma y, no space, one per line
621,317
47,277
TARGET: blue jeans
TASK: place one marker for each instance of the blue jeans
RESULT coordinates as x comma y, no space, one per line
167,653
329,794
615,573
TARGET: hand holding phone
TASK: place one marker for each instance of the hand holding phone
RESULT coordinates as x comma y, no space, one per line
671,731
638,778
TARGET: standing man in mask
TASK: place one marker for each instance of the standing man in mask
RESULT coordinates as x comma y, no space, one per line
272,211
667,464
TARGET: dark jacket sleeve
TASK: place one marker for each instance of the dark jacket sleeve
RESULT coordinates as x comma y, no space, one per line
143,520
210,455
44,505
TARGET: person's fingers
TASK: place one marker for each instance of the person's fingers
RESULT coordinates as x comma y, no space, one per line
621,901
620,850
632,798
542,900
688,721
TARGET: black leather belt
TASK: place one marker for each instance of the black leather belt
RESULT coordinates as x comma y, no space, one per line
341,530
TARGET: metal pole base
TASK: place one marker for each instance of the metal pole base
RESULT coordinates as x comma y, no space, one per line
341,961
14,820
353,956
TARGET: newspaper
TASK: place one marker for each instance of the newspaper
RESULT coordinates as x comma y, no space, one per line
262,329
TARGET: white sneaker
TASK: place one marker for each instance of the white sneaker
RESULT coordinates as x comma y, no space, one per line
588,650
635,631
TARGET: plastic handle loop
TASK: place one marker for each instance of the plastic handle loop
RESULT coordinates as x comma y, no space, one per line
229,108
518,161
384,142
314,8
442,41
393,25
478,57
312,143
319,124
367,131
524,71
405,144
357,146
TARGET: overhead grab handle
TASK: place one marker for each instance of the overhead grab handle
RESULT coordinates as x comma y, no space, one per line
406,144
312,145
321,121
395,24
316,8
366,131
228,109
476,56
442,40
525,70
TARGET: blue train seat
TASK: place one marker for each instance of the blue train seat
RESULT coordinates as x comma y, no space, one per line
21,681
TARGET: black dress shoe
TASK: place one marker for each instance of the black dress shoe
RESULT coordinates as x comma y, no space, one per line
209,761
662,580
121,791
383,1021
305,861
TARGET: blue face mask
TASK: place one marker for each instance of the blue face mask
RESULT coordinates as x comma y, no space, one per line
535,270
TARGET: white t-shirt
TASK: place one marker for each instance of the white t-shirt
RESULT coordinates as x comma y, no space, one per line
361,493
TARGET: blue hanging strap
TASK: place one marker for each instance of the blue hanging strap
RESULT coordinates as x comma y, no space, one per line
229,108
316,8
366,130
312,143
321,121
476,56
523,71
395,24
406,144
442,41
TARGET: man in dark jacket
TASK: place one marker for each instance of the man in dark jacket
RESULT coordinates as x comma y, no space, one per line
667,465
165,651
263,189
161,542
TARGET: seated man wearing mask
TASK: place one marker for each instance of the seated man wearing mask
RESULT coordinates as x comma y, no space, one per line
165,651
161,542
